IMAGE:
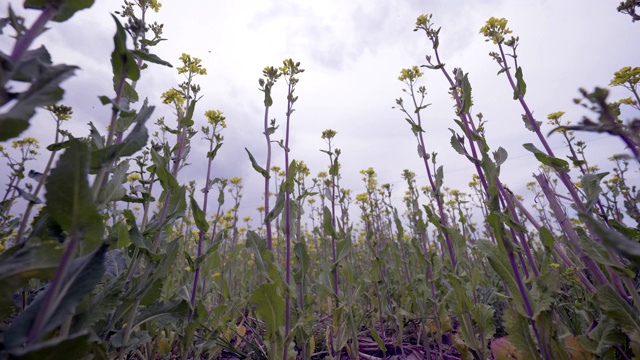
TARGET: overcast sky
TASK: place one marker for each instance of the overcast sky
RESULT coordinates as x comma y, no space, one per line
352,52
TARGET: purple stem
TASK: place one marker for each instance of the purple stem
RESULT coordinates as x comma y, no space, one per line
556,247
266,180
565,224
22,45
196,276
287,214
54,287
436,192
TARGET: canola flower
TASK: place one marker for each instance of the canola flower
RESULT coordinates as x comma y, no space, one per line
495,29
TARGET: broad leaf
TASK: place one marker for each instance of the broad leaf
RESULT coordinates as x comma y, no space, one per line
255,165
83,275
64,9
521,86
44,90
69,198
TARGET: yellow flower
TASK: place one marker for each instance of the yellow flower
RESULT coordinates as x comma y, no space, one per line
61,112
215,117
155,5
555,115
329,134
495,29
555,265
626,76
362,198
133,177
173,96
628,101
191,65
410,75
235,180
25,142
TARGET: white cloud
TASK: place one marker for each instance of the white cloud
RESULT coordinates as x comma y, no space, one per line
352,52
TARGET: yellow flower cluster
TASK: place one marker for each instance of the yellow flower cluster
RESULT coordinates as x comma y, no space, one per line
133,177
215,117
191,65
555,115
173,96
61,112
329,134
495,29
626,76
28,141
628,101
410,75
155,5
362,198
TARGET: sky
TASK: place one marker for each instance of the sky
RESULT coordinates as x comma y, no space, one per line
352,53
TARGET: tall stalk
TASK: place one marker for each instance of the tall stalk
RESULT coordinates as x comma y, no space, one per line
289,70
270,76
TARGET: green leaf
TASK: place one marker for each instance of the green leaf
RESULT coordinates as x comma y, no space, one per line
75,346
69,198
199,216
591,186
270,308
521,86
343,249
83,275
556,163
64,9
115,263
123,61
619,310
439,178
31,64
547,239
613,239
96,139
602,337
44,90
135,236
255,165
21,263
519,332
289,183
150,58
378,339
167,180
277,208
135,141
258,246
528,125
466,94
114,190
500,156
599,253
212,154
303,262
482,314
187,120
163,313
327,222
414,127
500,264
